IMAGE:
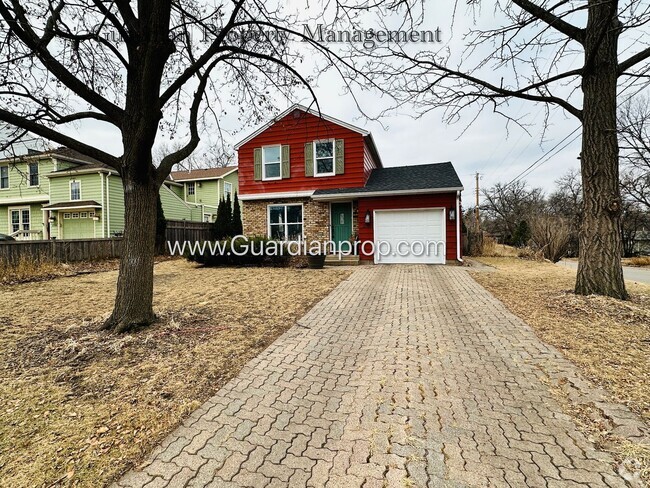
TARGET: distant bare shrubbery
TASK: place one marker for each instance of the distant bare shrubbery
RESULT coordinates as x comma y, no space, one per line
550,236
27,269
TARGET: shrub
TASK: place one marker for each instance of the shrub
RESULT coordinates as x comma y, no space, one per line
242,252
27,268
551,236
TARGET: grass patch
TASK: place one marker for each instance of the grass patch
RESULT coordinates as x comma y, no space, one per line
81,406
608,339
637,261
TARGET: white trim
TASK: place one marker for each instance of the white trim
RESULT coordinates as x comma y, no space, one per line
271,196
80,171
333,172
108,206
34,199
187,187
286,224
225,193
70,190
345,196
458,250
182,180
304,109
20,218
101,179
187,204
72,207
386,210
274,178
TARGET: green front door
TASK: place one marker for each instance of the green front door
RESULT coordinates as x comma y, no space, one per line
341,214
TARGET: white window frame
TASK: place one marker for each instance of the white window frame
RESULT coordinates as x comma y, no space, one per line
67,215
20,218
8,182
286,224
75,215
227,186
272,178
75,199
29,175
192,185
333,172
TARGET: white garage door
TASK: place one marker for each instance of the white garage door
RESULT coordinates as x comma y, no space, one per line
403,236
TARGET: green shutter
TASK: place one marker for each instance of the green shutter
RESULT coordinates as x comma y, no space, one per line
257,164
309,159
339,153
286,168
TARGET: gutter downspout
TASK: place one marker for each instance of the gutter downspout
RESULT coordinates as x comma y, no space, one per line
458,217
101,176
108,205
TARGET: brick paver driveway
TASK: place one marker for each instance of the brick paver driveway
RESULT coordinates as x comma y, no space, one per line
403,376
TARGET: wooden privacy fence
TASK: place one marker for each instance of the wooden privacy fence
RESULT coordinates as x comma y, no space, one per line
61,251
182,230
70,250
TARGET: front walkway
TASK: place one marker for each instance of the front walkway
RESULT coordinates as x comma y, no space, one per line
403,376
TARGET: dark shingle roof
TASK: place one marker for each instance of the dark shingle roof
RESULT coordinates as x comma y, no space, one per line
73,204
422,177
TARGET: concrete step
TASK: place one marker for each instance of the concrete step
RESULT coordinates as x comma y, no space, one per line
333,260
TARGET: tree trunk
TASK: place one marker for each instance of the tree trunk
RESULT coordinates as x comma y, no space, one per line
134,299
599,269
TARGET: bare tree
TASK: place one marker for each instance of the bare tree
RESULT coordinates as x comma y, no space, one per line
566,202
525,58
634,137
507,206
141,69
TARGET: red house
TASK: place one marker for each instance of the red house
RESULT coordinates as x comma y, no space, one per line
308,176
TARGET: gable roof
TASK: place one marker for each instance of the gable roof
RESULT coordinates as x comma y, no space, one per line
202,174
425,178
302,108
61,152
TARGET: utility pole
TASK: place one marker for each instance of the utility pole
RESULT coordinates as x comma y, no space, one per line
476,210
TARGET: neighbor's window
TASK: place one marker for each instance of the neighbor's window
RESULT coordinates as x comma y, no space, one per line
285,222
75,190
324,158
20,219
67,215
33,174
191,188
227,189
4,177
271,167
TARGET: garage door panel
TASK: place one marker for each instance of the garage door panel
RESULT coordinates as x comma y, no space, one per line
396,226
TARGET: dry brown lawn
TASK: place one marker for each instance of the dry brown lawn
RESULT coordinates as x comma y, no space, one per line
608,339
78,406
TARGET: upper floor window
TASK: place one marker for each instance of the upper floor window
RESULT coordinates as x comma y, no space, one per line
324,158
75,190
227,189
33,174
271,162
191,188
4,177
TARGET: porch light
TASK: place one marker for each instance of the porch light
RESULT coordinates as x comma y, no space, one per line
452,214
51,220
95,218
367,218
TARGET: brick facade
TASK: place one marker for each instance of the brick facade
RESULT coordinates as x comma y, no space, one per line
315,215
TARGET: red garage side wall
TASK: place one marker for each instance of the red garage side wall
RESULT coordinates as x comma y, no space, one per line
296,131
446,200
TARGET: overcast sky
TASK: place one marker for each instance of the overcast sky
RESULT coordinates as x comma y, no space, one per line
484,147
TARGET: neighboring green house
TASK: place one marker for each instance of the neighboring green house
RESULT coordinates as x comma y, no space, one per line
207,186
63,194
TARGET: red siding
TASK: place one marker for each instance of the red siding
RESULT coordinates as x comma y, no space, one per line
296,132
446,200
369,163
